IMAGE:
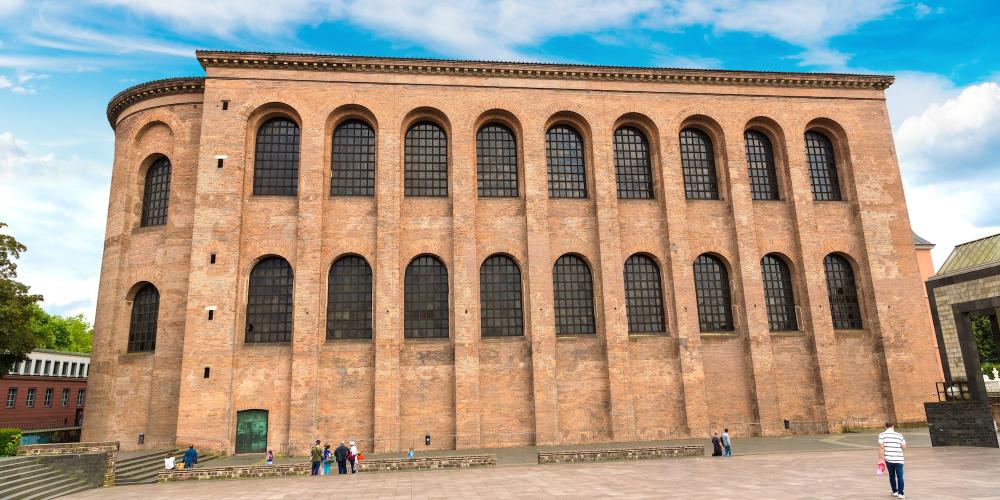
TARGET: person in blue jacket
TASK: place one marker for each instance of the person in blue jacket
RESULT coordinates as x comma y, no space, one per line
190,457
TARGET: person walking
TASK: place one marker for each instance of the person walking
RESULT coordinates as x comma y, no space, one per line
316,455
354,458
890,452
190,457
727,443
327,455
341,455
716,444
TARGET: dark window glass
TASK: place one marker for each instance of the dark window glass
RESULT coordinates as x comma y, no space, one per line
269,301
778,293
30,400
844,306
11,397
573,293
711,286
564,156
276,162
142,328
65,398
632,169
500,298
760,159
426,161
79,397
643,295
156,193
426,297
496,160
353,160
47,402
349,299
822,167
698,164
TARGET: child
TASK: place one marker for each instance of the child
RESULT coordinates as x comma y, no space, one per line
409,454
269,458
326,460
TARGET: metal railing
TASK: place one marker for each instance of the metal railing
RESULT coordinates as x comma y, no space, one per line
953,391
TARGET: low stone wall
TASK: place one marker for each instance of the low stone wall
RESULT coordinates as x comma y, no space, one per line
303,469
961,423
610,455
92,462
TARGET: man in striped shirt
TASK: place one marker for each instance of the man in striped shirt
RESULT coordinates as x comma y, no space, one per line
890,450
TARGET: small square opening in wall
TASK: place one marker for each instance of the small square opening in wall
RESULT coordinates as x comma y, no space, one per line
211,314
218,162
211,259
225,105
207,371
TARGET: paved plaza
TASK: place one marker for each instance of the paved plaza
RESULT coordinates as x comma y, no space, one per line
938,473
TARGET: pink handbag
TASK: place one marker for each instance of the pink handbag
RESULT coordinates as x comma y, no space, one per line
880,468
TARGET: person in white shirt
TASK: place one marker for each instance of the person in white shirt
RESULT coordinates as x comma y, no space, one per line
890,451
168,462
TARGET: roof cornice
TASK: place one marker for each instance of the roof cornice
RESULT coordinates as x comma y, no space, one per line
149,90
320,62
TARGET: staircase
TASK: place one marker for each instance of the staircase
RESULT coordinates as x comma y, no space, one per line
144,468
26,478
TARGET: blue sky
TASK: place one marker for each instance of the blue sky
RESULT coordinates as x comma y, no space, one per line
61,61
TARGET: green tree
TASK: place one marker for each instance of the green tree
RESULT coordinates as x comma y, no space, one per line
986,342
17,338
72,333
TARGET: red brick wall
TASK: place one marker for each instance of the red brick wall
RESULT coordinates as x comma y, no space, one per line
21,416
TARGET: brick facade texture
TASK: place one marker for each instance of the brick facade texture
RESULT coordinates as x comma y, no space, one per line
467,391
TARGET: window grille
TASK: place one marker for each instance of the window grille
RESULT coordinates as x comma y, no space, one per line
47,401
760,160
426,299
643,295
633,172
65,398
11,397
842,289
156,193
500,306
269,302
573,294
145,312
276,161
349,299
496,161
711,286
80,396
565,160
822,167
353,160
425,160
779,294
698,164
29,401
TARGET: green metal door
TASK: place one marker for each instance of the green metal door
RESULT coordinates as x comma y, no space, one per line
251,431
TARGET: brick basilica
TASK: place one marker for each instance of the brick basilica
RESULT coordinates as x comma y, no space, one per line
490,254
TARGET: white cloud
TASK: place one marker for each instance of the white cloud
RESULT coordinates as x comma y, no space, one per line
5,83
223,18
8,7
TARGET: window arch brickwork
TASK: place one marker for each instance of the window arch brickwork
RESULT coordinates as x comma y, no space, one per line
779,293
633,172
425,160
760,161
353,160
269,302
711,285
643,295
156,193
500,307
845,309
573,294
349,299
822,167
426,299
496,161
698,165
145,314
566,164
276,158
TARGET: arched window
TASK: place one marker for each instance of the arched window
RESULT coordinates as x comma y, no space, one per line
276,161
564,156
711,287
145,312
843,291
349,299
760,159
500,298
425,160
269,301
425,290
778,293
496,161
573,294
822,167
353,160
156,193
698,164
632,169
643,295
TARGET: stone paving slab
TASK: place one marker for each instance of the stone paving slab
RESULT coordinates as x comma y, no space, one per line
938,473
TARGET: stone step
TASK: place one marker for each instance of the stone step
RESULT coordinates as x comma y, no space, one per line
40,488
61,490
74,489
15,463
26,468
14,482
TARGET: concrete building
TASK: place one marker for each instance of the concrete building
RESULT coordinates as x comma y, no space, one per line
46,394
478,254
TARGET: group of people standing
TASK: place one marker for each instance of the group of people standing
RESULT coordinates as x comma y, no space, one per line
722,446
322,458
